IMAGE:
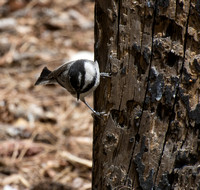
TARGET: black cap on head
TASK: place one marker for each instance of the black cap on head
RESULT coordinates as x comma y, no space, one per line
77,75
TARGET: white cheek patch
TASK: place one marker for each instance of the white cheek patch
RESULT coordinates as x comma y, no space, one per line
89,74
79,79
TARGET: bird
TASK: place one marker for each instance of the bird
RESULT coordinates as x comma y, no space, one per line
80,78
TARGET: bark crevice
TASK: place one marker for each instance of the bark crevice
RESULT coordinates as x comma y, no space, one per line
148,83
171,118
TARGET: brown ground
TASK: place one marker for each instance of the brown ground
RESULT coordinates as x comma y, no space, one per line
46,136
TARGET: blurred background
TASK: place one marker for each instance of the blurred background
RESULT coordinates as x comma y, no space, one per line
45,134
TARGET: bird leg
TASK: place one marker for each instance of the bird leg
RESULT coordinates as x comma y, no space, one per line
98,114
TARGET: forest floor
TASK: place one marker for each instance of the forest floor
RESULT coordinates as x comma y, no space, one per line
45,134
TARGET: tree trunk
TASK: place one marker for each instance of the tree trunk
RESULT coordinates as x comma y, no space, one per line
150,138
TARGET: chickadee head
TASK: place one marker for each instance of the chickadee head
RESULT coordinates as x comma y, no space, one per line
82,76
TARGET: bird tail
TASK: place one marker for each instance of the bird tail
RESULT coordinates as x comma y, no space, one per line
44,77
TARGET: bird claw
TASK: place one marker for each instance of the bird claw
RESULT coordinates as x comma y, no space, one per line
100,115
104,75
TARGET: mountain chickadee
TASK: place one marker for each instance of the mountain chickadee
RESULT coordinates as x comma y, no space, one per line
80,78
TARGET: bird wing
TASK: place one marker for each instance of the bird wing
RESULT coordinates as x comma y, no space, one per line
64,67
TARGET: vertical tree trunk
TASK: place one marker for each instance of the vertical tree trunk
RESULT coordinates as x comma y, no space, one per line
150,139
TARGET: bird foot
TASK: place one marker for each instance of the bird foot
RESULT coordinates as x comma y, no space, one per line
104,75
100,115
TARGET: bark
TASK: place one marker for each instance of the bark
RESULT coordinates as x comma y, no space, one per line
150,139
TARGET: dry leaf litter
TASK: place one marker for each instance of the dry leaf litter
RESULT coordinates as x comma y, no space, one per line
46,136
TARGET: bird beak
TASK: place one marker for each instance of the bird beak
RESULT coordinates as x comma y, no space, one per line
78,95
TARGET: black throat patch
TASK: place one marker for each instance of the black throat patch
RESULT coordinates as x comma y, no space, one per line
77,75
90,85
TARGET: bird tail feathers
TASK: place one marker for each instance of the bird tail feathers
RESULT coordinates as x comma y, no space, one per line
44,79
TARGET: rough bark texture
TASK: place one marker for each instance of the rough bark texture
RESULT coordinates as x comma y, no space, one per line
150,139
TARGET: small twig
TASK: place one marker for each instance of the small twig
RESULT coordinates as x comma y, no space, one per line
74,159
